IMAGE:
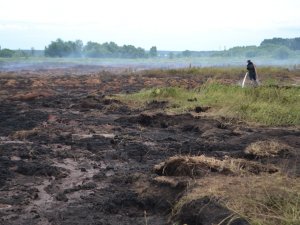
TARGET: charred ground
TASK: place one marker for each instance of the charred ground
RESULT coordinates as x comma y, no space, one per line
70,154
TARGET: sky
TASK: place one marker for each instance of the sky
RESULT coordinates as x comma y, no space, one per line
176,25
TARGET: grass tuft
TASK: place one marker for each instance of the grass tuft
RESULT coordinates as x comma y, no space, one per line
268,148
202,165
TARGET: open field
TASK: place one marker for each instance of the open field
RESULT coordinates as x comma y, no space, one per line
94,145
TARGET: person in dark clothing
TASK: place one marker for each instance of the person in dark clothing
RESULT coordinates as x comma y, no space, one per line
252,72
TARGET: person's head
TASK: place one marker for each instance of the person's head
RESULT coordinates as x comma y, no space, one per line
248,61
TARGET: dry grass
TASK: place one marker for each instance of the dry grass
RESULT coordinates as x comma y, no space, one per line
268,148
261,200
258,193
202,165
33,95
24,134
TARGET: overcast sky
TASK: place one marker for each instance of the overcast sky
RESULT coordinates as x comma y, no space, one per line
167,24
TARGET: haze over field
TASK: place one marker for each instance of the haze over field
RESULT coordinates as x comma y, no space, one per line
169,25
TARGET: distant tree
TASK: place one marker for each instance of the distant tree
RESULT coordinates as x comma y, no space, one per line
78,48
112,49
295,44
94,50
153,51
274,41
55,49
291,43
7,53
129,51
187,53
59,48
20,53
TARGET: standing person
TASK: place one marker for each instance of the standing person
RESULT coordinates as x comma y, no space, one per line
252,72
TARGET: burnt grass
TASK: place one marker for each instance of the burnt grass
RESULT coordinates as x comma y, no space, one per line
69,154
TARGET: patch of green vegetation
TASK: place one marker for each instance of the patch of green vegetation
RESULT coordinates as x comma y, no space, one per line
267,104
179,99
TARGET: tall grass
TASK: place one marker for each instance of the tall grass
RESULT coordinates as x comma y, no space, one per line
179,99
269,104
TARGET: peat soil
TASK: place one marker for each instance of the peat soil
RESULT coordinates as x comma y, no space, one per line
69,154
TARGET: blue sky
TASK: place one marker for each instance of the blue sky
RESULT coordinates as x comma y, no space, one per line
167,24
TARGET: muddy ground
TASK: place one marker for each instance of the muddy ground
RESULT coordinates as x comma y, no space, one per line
69,154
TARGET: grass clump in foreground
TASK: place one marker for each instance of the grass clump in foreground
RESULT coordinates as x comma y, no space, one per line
269,105
261,200
255,192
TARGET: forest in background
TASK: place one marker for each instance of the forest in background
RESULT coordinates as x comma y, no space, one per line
277,48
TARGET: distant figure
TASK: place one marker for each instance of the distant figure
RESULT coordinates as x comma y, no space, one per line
252,72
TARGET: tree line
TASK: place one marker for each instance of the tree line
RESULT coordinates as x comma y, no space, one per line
277,48
60,48
291,43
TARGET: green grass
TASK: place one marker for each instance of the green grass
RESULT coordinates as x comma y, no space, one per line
180,100
269,105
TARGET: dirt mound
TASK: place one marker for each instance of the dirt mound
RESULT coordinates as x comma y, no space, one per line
269,148
202,165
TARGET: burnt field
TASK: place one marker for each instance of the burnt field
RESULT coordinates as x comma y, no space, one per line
71,153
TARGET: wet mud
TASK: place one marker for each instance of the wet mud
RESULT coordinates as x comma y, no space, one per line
69,154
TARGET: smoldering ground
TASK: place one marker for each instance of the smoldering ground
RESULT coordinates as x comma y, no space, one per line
70,154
